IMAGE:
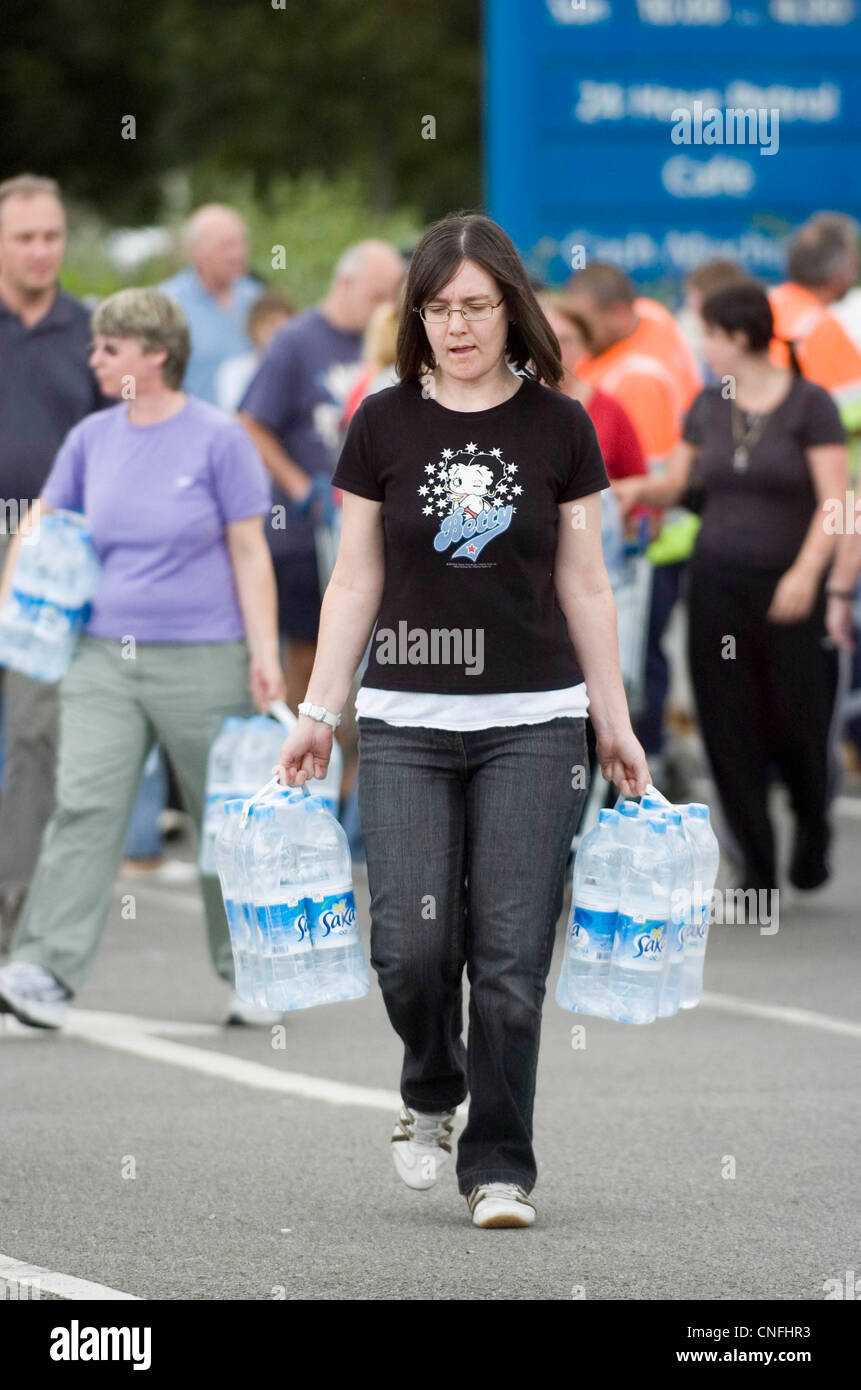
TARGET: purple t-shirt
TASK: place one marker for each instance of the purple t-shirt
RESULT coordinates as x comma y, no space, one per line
157,499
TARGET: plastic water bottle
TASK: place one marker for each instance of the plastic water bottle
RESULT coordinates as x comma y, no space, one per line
645,893
680,915
256,753
706,859
286,877
54,580
280,923
327,873
582,985
229,862
220,787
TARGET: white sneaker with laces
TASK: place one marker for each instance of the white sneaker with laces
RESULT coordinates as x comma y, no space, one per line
33,994
421,1145
242,1011
498,1204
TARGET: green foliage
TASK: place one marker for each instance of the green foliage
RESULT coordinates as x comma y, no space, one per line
231,90
312,217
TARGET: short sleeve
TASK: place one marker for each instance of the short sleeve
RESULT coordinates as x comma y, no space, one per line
355,471
241,483
693,427
271,393
821,423
586,469
64,485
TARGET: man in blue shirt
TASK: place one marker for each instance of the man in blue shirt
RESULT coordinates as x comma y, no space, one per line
216,293
46,387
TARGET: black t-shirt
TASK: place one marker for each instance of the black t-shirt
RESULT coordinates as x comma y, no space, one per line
759,517
470,517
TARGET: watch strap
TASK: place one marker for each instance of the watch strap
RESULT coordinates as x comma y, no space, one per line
320,713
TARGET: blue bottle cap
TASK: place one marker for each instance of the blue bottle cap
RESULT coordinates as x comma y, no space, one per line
629,808
673,817
651,803
608,817
698,810
656,827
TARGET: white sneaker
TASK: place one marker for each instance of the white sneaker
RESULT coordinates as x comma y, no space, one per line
421,1144
500,1204
242,1011
33,994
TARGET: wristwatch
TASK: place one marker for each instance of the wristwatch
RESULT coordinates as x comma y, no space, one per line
320,713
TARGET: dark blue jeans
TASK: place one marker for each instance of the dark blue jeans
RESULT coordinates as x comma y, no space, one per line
466,838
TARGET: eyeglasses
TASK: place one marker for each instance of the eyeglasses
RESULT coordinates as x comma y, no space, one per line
439,313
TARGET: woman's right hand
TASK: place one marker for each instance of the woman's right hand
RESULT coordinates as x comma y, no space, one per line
305,752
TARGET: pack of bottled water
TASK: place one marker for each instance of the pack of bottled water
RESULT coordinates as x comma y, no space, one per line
640,909
240,760
54,581
284,865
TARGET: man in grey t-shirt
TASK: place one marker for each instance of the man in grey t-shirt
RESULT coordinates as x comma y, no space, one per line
292,409
46,387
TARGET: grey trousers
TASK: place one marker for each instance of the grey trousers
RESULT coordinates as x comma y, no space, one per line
111,710
32,712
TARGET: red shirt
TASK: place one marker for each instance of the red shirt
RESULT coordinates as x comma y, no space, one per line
620,445
616,435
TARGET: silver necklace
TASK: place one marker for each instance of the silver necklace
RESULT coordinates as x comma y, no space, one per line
745,437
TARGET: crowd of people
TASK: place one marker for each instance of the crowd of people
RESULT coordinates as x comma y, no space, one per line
725,427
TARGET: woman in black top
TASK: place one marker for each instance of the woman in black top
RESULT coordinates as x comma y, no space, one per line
766,447
472,534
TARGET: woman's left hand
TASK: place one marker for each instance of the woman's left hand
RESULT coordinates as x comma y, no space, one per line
266,680
794,596
623,761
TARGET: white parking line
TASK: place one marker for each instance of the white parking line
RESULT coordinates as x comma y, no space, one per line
779,1013
19,1276
123,1033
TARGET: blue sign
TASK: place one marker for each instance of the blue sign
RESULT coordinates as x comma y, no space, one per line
660,133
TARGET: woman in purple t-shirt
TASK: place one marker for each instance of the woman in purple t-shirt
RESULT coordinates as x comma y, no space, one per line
182,633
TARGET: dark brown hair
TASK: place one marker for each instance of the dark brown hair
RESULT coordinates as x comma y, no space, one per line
745,306
531,345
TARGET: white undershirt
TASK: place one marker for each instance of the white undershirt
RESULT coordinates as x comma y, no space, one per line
460,712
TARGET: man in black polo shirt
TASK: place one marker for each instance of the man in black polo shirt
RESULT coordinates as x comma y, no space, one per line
45,387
